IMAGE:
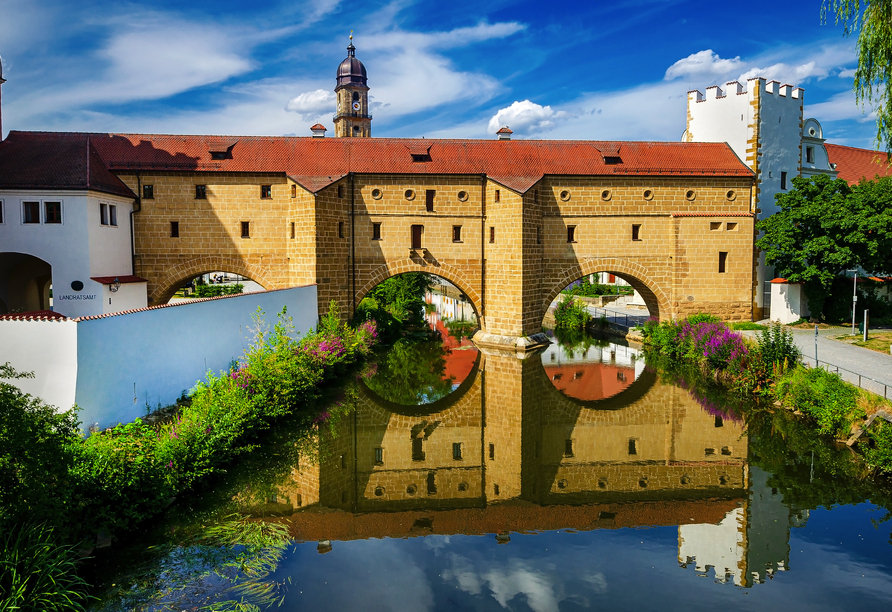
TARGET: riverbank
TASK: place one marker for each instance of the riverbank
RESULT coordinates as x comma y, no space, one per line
769,368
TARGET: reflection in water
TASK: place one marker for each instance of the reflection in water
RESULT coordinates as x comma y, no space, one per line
592,372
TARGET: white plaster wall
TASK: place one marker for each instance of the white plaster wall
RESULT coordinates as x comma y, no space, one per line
788,303
129,360
720,546
129,296
47,348
721,119
781,131
109,246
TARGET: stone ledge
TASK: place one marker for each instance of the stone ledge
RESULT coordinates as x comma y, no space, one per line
512,344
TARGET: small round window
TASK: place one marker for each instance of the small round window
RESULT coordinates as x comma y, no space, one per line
731,195
463,196
606,195
410,195
565,195
462,486
77,285
690,194
812,131
379,491
411,489
648,194
562,484
377,193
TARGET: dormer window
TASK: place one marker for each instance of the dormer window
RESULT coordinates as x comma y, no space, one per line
423,157
218,154
612,160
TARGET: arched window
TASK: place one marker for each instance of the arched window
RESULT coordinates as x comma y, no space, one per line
356,96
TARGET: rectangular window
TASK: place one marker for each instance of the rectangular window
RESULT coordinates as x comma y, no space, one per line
492,234
1,212
538,235
731,227
715,226
201,192
340,191
783,180
379,456
340,229
456,233
174,229
30,212
52,212
376,231
429,199
636,232
246,229
456,451
292,230
266,192
719,422
568,447
611,279
571,233
810,155
113,215
633,446
103,214
416,236
417,449
498,197
723,261
492,452
294,191
148,192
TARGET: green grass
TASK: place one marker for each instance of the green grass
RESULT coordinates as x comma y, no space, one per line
742,325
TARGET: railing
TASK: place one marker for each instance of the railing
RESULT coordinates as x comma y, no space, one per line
351,114
619,318
863,382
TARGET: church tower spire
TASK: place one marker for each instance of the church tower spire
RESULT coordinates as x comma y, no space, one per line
352,119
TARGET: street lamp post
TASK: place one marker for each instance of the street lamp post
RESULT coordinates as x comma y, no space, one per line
854,298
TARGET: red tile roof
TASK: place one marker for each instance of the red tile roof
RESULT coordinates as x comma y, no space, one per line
36,315
317,162
56,161
854,164
123,279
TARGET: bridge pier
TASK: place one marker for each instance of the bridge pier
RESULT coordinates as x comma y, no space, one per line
521,344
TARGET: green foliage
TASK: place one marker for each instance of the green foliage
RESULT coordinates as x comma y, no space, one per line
825,397
746,325
872,75
702,317
412,373
206,291
460,329
586,289
838,307
571,313
776,346
37,571
879,450
403,296
37,449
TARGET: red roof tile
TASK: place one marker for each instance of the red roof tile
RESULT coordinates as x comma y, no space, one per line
36,315
123,279
317,162
854,164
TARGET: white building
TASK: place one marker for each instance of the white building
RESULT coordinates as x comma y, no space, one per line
65,231
763,124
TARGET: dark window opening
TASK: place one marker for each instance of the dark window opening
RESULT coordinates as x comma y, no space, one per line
30,212
343,497
709,451
719,422
416,236
417,449
495,489
292,230
299,501
456,450
343,461
112,215
492,234
148,192
571,233
783,180
376,231
810,155
726,450
201,192
52,212
423,157
498,197
568,447
266,191
612,160
219,155
379,456
340,229
633,446
294,191
246,229
340,191
429,199
356,96
103,214
636,232
174,229
723,260
456,233
431,483
538,235
492,452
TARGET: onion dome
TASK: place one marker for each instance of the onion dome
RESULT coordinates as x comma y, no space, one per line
351,71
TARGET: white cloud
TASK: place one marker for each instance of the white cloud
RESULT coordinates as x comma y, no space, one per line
838,107
525,117
787,73
703,65
313,103
848,73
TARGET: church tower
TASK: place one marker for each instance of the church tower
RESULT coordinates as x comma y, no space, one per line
352,118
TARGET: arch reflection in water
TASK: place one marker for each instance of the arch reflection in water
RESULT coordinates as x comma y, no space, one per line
592,371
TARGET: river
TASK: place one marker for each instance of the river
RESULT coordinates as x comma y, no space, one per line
575,478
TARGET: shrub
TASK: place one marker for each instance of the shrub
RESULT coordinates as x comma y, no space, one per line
776,346
825,397
879,452
702,317
37,572
571,314
712,342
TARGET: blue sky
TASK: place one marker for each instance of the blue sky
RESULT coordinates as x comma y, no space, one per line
596,70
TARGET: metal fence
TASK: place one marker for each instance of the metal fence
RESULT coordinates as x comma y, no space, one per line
862,381
619,318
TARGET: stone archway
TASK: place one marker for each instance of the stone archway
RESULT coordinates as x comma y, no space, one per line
450,273
25,282
636,275
166,286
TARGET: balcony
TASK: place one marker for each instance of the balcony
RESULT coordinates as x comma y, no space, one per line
355,115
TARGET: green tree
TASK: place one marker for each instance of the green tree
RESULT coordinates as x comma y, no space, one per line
872,20
412,373
815,236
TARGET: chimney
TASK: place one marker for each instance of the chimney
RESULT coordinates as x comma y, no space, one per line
318,130
504,133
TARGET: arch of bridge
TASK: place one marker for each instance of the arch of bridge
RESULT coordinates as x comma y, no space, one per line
169,284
